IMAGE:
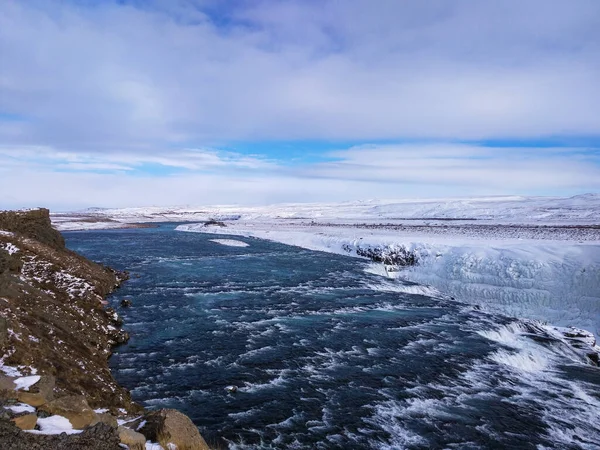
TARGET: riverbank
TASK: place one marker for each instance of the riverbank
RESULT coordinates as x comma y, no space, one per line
56,336
533,257
551,274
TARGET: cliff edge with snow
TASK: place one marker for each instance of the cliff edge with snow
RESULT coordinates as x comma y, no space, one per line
56,336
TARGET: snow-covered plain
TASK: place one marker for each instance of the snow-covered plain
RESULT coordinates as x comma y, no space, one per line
531,257
581,209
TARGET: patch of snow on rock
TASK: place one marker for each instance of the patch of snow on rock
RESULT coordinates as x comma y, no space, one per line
26,382
20,408
54,425
10,248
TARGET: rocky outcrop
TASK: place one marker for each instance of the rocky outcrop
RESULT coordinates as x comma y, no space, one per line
169,426
53,317
54,326
33,224
390,255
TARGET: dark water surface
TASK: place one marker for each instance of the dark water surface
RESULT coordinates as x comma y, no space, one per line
328,355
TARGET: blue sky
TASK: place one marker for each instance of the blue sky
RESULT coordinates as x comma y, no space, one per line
132,103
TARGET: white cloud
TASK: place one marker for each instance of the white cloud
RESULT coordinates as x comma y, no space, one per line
105,76
106,89
49,158
74,180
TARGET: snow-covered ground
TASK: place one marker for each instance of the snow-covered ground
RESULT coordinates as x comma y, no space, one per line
581,209
532,257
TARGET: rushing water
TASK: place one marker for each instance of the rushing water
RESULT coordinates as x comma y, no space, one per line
328,355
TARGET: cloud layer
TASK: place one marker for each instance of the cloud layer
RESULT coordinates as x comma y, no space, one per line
67,180
111,75
118,87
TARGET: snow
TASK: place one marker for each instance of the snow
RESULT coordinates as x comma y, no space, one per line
26,382
230,242
531,257
10,248
581,209
54,425
20,408
153,446
127,420
41,271
9,371
553,276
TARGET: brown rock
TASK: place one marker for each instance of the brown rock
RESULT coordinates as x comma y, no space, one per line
6,383
168,426
34,224
108,419
32,399
75,408
133,439
45,386
40,393
26,422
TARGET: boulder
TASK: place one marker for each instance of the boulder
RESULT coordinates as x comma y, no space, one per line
168,426
26,422
133,439
125,303
75,408
40,393
32,399
108,419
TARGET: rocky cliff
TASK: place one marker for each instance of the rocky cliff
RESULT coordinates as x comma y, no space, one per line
56,336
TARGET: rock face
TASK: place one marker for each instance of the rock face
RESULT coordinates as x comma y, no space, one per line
169,426
51,313
53,323
34,224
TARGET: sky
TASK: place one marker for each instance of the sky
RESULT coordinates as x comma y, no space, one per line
113,103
